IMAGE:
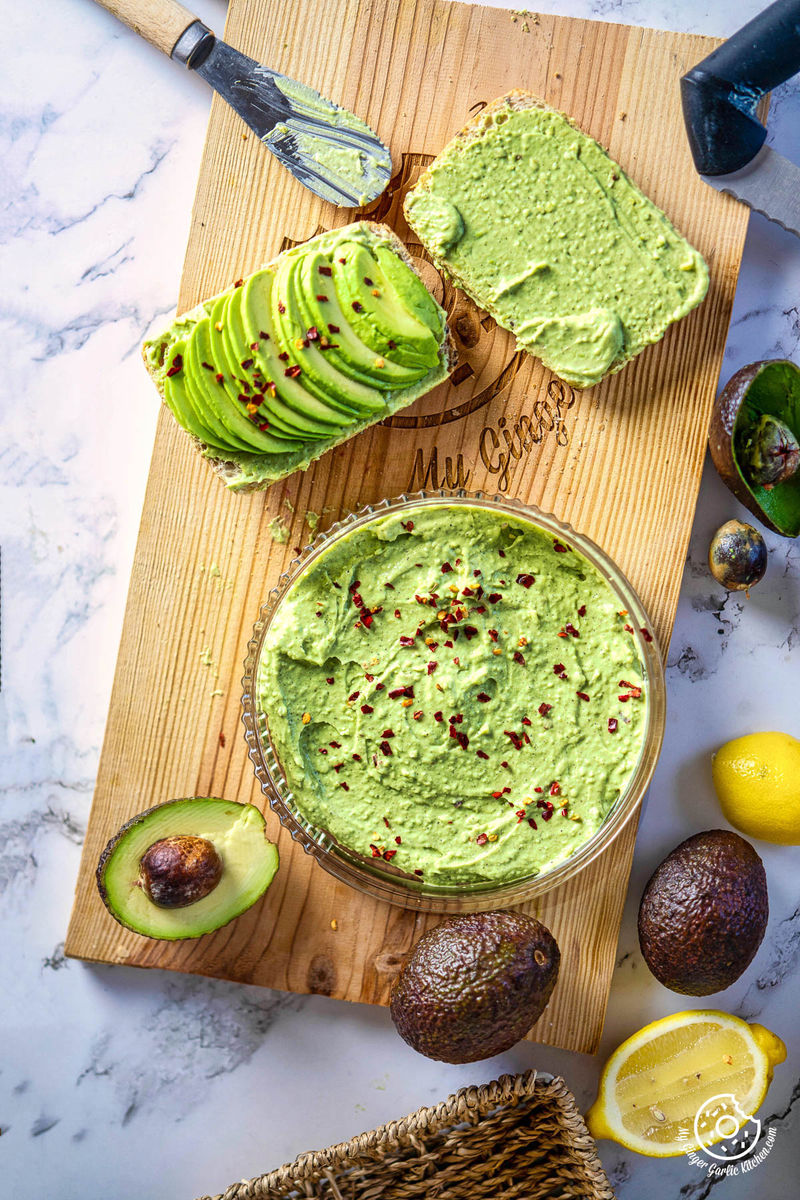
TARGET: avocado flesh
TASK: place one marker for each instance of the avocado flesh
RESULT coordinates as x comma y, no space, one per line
237,832
348,353
239,351
178,401
211,399
319,376
384,318
233,412
257,311
416,297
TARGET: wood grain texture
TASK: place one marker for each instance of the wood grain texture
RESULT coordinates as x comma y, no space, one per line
160,22
621,462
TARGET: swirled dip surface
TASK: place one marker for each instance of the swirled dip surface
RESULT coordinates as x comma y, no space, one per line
455,691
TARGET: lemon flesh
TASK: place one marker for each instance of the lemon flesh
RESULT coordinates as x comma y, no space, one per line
757,781
655,1083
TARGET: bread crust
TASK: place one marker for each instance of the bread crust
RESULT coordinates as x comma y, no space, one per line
227,468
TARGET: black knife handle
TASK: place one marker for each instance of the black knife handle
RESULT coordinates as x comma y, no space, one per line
720,95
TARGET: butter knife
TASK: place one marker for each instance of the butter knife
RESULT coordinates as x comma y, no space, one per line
720,97
327,148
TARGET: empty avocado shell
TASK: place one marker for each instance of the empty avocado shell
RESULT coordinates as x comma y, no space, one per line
753,440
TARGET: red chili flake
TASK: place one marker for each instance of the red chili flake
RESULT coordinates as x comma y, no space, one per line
345,786
547,813
264,426
417,871
312,334
437,716
449,645
481,754
469,632
582,611
418,714
337,768
389,854
357,306
322,299
354,695
505,764
387,733
520,815
379,687
293,372
559,549
325,271
537,789
322,750
526,580
385,748
407,525
483,697
446,568
482,839
177,365
456,718
333,329
375,851
532,823
329,679
519,658
502,553
284,356
461,738
582,695
432,665
572,631
281,307
623,698
628,628
386,822
558,669
222,740
493,597
397,613
357,757
555,788
396,693
406,641
335,745
247,364
516,740
368,281
493,634
207,366
367,708
399,841
565,811
647,635
220,378
264,336
612,724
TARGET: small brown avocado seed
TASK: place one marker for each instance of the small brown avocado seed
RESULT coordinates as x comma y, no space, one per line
179,870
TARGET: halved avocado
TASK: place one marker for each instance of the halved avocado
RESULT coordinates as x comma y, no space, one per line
205,860
762,389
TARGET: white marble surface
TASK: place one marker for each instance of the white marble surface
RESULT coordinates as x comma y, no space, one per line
128,1084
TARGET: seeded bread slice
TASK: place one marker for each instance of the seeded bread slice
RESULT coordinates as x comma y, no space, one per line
247,472
686,271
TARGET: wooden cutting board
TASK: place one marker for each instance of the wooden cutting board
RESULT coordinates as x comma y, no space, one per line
621,462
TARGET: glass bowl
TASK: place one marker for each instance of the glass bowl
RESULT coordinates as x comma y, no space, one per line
375,876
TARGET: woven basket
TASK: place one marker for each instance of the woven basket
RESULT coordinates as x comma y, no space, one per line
519,1138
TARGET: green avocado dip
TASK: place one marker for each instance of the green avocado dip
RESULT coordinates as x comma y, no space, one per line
544,230
336,334
453,690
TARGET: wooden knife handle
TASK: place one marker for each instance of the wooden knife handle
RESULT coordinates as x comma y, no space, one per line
160,22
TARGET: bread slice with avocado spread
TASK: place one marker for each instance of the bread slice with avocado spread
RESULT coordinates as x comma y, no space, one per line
332,336
534,220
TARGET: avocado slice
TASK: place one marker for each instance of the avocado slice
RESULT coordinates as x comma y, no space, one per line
415,295
205,860
704,913
377,310
267,369
257,318
347,352
179,402
319,376
473,986
212,400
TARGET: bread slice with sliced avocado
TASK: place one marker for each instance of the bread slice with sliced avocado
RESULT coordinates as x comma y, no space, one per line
542,229
330,337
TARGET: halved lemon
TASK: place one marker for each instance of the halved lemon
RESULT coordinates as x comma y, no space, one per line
656,1087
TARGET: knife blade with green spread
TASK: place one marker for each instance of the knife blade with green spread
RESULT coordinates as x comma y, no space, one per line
328,149
720,100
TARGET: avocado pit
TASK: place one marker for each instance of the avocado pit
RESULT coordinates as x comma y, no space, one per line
180,870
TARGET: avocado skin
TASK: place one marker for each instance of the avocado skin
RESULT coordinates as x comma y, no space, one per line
703,913
473,986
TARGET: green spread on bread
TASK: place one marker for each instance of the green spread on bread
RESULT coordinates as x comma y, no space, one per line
336,334
534,220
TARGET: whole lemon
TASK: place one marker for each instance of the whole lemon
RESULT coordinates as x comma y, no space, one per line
757,780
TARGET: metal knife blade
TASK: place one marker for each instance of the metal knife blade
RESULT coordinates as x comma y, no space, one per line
331,151
769,184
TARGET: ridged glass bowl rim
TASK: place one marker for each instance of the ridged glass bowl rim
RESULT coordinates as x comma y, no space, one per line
373,876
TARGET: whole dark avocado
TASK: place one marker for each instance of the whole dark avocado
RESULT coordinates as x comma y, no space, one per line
704,912
474,985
